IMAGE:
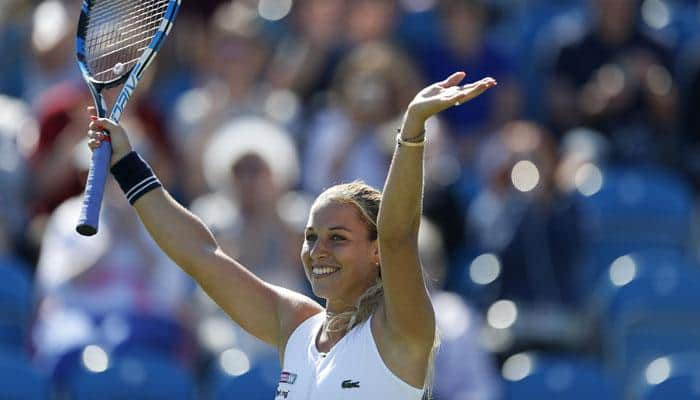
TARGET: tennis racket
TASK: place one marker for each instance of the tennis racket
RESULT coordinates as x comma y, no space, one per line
116,41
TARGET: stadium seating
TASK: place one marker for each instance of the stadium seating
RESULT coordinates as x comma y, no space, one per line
19,380
537,376
636,208
258,382
648,308
15,303
638,205
673,377
142,376
142,331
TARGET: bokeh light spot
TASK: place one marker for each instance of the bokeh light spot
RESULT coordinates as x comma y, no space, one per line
623,270
658,371
274,10
588,179
525,175
502,314
234,362
485,269
95,359
517,367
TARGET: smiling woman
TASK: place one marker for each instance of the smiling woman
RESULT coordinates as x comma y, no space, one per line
347,215
376,335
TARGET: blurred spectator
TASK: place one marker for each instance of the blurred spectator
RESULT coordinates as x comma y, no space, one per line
520,215
53,47
352,138
18,129
251,164
463,45
15,16
61,112
304,60
62,116
463,368
616,79
578,148
690,83
443,200
371,21
83,281
323,32
231,62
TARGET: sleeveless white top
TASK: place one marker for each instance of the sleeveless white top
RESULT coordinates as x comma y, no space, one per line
351,370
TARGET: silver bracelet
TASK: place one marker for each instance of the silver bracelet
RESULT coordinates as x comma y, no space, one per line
406,143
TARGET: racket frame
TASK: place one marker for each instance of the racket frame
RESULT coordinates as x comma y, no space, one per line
88,221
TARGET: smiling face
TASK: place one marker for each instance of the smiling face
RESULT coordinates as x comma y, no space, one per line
340,258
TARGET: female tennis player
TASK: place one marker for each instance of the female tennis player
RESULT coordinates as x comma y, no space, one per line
376,335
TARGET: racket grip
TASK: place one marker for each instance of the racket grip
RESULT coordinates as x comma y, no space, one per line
94,190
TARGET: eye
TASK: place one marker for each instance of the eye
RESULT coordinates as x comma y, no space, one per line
337,238
310,237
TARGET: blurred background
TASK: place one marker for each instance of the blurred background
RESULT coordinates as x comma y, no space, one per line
560,236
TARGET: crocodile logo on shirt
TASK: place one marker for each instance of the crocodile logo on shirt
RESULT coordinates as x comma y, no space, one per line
349,384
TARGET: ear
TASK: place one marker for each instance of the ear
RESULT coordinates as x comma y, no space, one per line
375,252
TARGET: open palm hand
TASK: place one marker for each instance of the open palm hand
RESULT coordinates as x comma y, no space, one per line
442,95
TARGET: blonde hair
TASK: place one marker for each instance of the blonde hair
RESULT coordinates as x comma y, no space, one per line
366,200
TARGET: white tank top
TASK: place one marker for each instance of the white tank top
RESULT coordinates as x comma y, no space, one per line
352,370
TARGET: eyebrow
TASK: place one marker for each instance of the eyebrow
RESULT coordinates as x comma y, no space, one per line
332,228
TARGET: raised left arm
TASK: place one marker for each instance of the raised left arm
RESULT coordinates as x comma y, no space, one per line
408,311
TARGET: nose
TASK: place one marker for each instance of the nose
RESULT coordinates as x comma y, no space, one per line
318,250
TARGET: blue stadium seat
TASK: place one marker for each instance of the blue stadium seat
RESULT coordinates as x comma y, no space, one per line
150,332
597,258
259,382
673,377
144,376
648,308
639,205
537,376
635,209
19,380
15,303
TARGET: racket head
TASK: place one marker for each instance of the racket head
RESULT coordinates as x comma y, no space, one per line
114,35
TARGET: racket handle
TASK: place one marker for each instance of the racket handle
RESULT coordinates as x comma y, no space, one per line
94,190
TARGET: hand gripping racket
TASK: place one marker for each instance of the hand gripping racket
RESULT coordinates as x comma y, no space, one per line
116,41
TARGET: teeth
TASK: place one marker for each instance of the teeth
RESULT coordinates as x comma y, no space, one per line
323,270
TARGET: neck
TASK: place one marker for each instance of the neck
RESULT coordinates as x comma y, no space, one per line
337,323
338,306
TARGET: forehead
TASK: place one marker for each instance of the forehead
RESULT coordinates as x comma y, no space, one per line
328,213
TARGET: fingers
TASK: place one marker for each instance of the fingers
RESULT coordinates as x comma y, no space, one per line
92,110
98,130
485,82
452,80
472,90
93,144
102,124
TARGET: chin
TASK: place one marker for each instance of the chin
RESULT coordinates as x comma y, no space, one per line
321,291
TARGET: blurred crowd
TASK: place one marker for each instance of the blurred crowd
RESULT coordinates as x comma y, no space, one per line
545,199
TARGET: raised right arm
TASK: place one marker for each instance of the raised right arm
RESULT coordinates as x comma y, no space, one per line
266,311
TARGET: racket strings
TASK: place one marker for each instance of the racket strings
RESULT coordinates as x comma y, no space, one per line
111,20
118,32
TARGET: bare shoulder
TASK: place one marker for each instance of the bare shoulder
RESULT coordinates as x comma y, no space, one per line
293,309
404,357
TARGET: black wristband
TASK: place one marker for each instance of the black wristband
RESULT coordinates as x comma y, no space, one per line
134,176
